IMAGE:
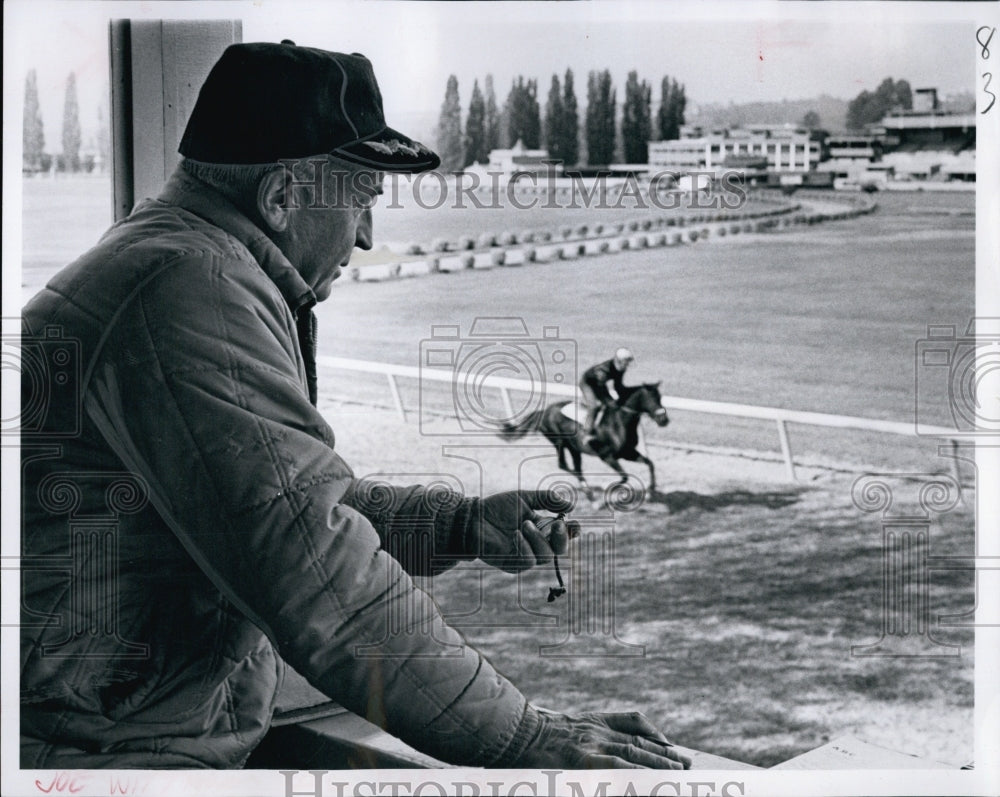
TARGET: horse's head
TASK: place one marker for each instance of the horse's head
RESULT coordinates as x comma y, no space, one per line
651,403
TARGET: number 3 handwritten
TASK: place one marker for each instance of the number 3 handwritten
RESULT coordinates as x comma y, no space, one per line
986,89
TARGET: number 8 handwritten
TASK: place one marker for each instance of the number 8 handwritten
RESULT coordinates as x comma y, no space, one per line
985,52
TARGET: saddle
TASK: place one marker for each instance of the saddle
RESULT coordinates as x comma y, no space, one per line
576,411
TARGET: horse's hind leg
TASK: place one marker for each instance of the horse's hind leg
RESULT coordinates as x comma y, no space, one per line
561,451
578,472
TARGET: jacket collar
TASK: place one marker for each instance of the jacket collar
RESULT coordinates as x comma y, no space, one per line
199,198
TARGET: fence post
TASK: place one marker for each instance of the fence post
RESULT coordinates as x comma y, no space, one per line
507,407
956,471
396,397
786,449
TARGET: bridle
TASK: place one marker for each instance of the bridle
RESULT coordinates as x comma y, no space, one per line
659,412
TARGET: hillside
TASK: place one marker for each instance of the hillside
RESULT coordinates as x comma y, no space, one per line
831,110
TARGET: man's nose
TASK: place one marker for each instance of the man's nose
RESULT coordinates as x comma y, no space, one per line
363,234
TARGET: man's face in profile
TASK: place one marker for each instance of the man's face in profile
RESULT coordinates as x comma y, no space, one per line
328,219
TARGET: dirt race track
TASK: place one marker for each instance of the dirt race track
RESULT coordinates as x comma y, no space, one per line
725,607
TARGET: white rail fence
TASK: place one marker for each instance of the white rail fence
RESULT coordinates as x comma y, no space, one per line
781,417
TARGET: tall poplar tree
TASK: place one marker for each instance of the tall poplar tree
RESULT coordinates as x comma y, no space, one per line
523,114
475,132
103,137
636,122
554,120
33,129
571,122
71,136
600,119
449,133
670,117
491,123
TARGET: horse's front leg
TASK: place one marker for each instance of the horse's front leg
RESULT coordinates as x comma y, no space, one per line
652,470
614,463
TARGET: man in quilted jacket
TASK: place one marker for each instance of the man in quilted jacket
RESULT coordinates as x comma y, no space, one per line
188,526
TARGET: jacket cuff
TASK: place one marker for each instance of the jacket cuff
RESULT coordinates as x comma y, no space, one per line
455,539
450,529
527,731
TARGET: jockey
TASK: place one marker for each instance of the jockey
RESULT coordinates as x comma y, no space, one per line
594,385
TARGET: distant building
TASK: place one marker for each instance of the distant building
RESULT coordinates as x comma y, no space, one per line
926,127
752,150
923,144
519,159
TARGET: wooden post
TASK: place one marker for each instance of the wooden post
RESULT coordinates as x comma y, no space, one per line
786,449
157,68
397,398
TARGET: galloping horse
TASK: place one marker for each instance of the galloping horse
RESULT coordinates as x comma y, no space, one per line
615,436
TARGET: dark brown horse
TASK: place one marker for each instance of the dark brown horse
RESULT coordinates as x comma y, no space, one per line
615,437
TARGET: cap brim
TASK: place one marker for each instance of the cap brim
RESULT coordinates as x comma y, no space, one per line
390,151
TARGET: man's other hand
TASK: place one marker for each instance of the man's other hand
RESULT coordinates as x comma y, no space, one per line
506,531
600,741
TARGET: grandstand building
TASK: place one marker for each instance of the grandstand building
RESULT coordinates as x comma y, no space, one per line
927,143
753,150
924,144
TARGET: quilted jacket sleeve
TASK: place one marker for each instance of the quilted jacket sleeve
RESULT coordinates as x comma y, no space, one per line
419,526
199,389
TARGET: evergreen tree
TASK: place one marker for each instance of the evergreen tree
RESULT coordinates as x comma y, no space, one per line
71,136
670,116
491,123
103,137
600,118
554,119
571,122
449,133
475,132
534,117
871,107
636,123
33,130
810,120
523,114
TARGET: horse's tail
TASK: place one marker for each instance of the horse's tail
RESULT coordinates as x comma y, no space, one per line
512,431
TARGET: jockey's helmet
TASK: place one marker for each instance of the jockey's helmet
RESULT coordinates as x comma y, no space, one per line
623,357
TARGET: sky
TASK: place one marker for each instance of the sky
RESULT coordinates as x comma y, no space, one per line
721,51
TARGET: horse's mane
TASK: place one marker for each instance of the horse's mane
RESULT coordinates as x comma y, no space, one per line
628,390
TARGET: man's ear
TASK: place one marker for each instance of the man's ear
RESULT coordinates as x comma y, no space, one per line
272,204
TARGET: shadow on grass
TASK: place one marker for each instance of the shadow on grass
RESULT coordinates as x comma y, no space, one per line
679,500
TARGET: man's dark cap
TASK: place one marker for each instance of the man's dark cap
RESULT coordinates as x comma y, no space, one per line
264,102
